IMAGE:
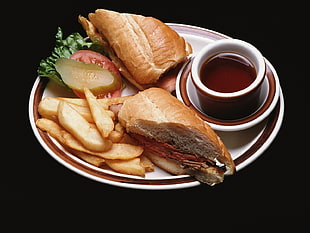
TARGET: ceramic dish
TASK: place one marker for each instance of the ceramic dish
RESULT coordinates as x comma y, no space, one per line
245,146
268,98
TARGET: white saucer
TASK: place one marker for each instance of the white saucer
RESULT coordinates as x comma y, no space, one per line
185,91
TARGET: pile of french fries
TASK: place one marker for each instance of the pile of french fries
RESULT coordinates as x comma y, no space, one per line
89,130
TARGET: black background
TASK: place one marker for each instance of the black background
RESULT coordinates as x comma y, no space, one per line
268,195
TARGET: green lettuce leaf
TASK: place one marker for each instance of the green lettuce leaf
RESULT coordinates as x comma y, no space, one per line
65,48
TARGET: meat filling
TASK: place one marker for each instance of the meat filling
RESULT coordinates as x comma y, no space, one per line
166,150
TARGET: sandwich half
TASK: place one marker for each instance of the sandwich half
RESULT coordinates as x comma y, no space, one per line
174,137
143,48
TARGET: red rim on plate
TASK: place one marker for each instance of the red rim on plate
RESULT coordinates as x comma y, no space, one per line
122,180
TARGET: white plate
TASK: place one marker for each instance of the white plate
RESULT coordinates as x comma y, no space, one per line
245,146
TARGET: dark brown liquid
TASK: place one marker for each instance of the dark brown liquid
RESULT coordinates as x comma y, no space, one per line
227,72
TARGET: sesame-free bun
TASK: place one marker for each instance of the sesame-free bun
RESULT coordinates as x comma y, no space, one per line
156,114
143,48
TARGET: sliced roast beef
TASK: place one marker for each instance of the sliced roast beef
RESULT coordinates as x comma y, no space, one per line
168,151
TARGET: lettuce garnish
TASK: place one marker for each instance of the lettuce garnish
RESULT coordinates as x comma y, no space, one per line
65,48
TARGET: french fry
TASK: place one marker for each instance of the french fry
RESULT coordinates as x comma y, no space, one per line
49,105
94,160
74,123
117,134
101,118
84,112
75,101
131,167
89,129
52,128
48,108
119,128
118,150
122,151
146,163
105,102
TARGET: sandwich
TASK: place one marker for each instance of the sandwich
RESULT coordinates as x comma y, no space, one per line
143,48
174,137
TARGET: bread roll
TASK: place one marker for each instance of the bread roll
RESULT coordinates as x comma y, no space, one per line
143,48
156,114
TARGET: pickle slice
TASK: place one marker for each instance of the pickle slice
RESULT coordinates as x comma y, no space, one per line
78,75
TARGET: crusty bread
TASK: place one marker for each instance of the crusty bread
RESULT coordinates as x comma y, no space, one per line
156,114
143,48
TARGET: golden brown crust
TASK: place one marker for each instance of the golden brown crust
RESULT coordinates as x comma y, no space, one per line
155,112
145,47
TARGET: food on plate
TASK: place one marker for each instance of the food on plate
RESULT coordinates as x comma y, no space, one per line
128,134
151,127
143,48
101,141
78,75
102,91
81,129
101,117
132,166
48,106
174,137
75,47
